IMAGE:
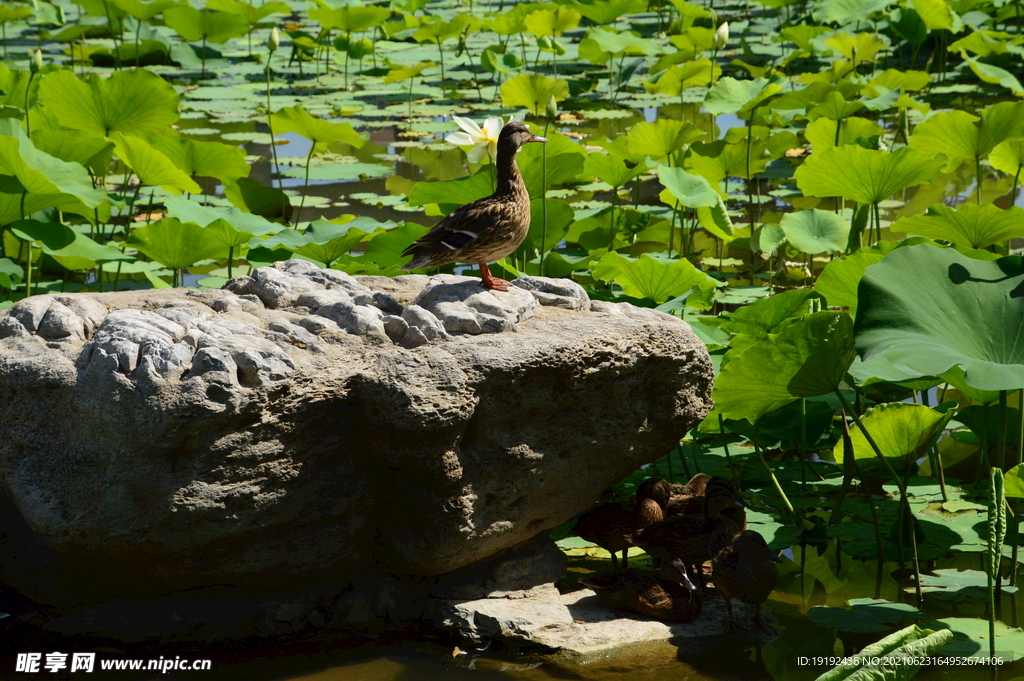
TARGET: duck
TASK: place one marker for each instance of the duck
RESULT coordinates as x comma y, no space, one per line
612,526
668,596
488,229
692,502
687,536
745,569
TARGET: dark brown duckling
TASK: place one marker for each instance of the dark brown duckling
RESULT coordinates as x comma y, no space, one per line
611,526
669,597
487,229
686,536
694,488
745,569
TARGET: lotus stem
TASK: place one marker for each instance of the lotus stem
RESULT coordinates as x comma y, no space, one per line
440,52
544,198
725,445
273,142
997,529
682,457
28,114
977,174
305,185
348,39
767,468
750,177
899,483
1001,447
28,272
202,73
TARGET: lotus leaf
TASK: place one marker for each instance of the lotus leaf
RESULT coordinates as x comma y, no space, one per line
176,244
252,14
864,175
76,147
739,96
898,428
603,12
134,102
611,169
816,231
822,132
208,25
349,18
902,653
971,638
660,139
208,159
960,136
996,76
977,226
72,250
807,359
533,91
38,172
318,131
650,278
839,280
688,189
325,241
252,197
152,166
547,23
767,315
904,314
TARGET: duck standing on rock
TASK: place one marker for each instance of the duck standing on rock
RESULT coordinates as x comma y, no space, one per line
487,229
745,569
611,526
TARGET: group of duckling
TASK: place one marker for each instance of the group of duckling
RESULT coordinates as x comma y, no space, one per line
681,527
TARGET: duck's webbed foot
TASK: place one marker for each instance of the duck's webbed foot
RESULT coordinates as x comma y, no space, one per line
490,283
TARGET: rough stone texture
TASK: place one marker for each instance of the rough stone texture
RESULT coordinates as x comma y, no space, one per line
154,442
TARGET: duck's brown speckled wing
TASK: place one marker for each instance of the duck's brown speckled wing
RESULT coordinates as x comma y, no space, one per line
483,231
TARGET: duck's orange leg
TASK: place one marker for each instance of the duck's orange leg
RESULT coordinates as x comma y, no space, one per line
490,282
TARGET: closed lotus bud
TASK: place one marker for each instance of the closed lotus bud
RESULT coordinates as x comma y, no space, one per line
552,108
37,61
274,41
721,36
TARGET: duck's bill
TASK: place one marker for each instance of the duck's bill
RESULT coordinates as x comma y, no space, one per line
537,138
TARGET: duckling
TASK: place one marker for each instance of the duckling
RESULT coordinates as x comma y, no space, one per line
745,569
694,488
487,229
611,526
669,597
686,536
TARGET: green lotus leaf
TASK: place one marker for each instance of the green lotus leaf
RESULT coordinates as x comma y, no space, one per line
970,224
822,132
76,147
208,25
688,189
864,175
675,79
385,249
958,585
904,314
227,235
769,237
133,102
961,136
320,132
349,18
252,197
1008,157
72,250
452,193
611,169
11,273
971,638
846,11
984,420
616,43
152,166
1013,481
9,13
176,244
835,107
839,280
253,14
902,655
604,12
767,315
547,23
729,95
40,173
144,11
716,220
898,428
533,91
192,211
326,241
996,76
399,73
660,139
807,359
206,159
937,15
863,47
439,30
720,160
560,216
650,278
816,231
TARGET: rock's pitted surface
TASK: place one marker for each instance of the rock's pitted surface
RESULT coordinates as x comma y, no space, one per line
303,426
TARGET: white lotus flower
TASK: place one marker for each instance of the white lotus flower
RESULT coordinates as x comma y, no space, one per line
721,36
483,140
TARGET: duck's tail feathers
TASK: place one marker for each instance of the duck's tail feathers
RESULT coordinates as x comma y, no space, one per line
422,260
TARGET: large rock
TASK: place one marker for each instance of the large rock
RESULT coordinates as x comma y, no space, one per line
304,427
